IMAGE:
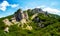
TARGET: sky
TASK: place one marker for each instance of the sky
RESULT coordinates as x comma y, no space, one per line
8,7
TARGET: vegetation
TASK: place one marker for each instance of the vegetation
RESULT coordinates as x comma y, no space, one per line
51,26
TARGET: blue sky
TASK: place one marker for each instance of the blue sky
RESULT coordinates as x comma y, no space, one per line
8,7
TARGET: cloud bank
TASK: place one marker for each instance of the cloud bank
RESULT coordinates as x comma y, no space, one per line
52,10
4,4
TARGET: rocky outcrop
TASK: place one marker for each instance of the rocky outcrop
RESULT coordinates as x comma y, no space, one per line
36,19
19,15
26,15
34,16
6,30
7,22
38,10
13,20
29,28
21,18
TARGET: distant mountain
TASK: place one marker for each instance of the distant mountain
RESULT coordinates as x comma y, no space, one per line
31,22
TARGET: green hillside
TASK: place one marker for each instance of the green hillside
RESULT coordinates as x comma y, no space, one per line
43,25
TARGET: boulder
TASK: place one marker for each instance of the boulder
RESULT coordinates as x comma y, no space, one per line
29,27
6,30
7,22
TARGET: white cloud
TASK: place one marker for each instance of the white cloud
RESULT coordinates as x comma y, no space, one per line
14,5
42,6
52,10
4,4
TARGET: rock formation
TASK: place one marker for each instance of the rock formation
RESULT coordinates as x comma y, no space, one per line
7,22
13,20
34,16
38,10
18,15
21,18
6,29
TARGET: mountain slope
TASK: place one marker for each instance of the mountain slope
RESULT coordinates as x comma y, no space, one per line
42,24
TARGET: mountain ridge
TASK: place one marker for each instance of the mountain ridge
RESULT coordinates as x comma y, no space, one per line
43,24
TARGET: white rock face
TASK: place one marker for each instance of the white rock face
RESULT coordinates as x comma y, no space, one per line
14,20
23,21
6,29
7,22
34,16
29,27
